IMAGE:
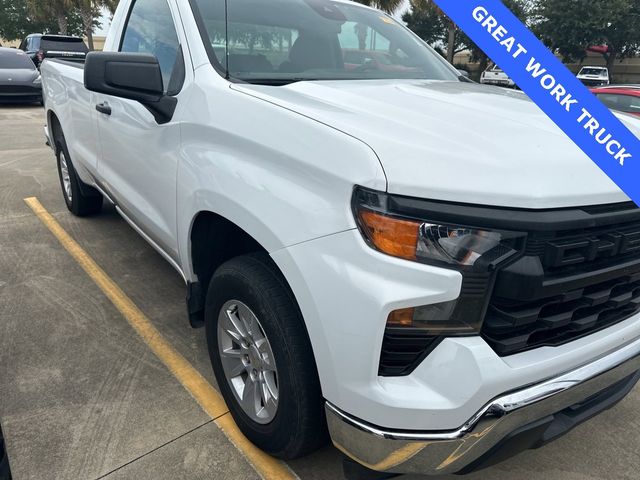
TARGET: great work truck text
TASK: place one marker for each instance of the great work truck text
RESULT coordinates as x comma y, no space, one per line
565,99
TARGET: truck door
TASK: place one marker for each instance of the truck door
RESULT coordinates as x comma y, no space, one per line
139,157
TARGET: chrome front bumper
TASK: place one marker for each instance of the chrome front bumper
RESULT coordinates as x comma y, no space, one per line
438,453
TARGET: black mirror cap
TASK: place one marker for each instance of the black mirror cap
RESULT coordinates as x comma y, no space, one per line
135,76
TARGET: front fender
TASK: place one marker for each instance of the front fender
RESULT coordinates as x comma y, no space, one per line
281,177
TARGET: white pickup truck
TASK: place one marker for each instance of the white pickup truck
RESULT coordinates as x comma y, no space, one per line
496,76
425,269
594,76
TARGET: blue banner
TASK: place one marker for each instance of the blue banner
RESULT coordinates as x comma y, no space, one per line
536,70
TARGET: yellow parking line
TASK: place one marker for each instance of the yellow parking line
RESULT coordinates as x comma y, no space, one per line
202,391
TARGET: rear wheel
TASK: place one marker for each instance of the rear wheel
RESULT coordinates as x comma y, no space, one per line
262,357
81,199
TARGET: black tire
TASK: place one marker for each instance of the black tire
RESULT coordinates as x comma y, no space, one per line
299,425
84,200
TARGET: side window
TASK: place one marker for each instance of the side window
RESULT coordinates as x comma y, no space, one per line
610,100
623,103
150,29
634,104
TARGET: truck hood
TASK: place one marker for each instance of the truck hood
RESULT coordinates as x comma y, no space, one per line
456,141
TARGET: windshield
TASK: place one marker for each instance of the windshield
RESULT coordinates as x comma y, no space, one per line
15,59
282,41
593,71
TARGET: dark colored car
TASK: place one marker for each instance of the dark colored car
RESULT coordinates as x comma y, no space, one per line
19,79
39,47
31,46
623,98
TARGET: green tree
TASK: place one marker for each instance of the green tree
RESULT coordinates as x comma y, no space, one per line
22,17
389,6
431,24
16,22
110,5
42,10
89,11
571,26
520,8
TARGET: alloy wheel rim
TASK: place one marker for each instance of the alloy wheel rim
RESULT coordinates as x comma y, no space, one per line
66,179
247,361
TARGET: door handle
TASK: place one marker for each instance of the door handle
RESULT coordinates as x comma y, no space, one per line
104,108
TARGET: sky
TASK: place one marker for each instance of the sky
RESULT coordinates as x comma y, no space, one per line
105,22
401,10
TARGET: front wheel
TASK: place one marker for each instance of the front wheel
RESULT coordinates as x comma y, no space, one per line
262,357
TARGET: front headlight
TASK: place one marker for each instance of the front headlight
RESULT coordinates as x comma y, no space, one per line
424,240
475,251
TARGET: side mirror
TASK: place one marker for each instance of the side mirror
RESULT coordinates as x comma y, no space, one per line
135,76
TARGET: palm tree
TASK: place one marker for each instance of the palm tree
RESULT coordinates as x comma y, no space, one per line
110,5
389,6
51,9
89,10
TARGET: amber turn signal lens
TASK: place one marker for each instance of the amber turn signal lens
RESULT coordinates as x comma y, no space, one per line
391,235
401,318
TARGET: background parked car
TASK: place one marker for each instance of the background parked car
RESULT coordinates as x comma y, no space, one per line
31,45
623,98
62,46
495,76
594,76
19,79
39,47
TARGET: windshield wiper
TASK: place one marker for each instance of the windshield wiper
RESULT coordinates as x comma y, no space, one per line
274,81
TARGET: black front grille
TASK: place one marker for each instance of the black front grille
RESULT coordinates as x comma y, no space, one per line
513,327
19,89
569,248
568,284
403,349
